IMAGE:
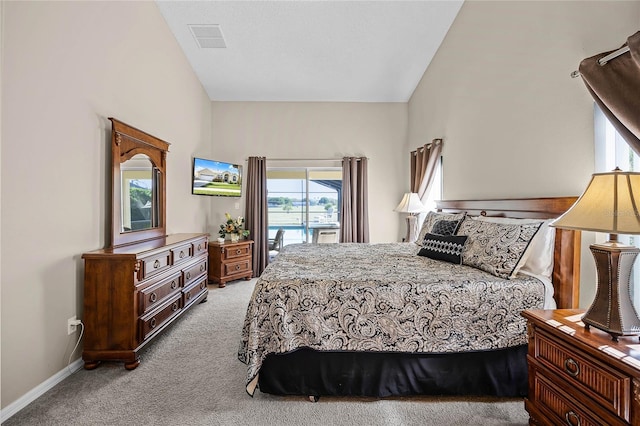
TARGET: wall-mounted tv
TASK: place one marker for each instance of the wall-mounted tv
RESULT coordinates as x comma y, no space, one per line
216,178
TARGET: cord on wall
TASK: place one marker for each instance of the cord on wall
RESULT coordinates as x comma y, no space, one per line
79,322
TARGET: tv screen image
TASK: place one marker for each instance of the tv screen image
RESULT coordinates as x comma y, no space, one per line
216,178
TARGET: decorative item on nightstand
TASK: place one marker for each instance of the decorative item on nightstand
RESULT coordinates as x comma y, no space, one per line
609,204
233,229
411,204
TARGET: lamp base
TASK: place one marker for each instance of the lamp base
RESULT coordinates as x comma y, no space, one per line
612,310
412,225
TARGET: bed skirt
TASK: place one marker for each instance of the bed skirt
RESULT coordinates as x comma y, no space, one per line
312,373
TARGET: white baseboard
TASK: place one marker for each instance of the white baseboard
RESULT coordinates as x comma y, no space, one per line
39,390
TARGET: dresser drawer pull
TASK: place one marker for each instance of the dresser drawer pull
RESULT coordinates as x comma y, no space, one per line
202,267
152,323
174,285
571,367
237,267
153,297
174,307
187,295
202,285
156,264
189,275
238,251
569,416
181,255
199,247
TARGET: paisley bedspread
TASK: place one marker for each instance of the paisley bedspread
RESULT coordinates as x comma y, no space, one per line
380,297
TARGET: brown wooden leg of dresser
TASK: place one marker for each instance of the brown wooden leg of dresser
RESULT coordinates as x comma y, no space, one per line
132,365
91,365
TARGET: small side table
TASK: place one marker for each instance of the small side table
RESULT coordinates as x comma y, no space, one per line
230,261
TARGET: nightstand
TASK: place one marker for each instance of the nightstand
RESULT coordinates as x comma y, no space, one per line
580,377
230,261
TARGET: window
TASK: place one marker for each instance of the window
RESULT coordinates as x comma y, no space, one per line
435,192
303,201
612,151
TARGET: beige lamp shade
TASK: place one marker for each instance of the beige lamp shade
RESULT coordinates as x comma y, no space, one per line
410,204
610,204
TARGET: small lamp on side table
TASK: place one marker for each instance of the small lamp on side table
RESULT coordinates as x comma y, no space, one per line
610,204
411,204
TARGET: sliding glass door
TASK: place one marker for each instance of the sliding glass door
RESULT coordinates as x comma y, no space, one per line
304,202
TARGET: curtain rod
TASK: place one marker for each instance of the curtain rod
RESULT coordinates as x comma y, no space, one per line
603,61
307,159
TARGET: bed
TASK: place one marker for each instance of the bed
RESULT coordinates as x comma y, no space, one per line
380,320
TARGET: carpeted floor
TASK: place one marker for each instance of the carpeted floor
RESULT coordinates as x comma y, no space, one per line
191,376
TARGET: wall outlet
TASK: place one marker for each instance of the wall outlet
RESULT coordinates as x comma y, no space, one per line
237,206
72,324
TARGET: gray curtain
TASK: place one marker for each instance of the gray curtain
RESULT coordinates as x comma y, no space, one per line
615,86
354,213
424,161
256,212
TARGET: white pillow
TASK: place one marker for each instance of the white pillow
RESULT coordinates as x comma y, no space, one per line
538,258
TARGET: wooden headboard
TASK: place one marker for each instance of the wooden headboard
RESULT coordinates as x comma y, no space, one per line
566,266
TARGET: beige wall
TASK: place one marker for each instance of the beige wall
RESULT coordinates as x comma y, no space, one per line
67,66
320,131
499,92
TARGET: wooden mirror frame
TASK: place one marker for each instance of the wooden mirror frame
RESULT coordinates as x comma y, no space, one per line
127,141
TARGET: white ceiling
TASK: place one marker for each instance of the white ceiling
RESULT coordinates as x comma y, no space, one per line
329,51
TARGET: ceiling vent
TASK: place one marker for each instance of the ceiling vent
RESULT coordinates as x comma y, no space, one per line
208,36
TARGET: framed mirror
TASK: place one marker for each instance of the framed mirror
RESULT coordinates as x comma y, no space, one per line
138,186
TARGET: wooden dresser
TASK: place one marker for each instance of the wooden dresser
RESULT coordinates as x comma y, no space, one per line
230,261
133,292
580,377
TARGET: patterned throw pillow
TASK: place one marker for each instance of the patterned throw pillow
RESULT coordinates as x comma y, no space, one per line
432,218
495,247
443,247
445,227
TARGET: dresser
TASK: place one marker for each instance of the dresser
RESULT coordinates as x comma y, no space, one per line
580,377
230,261
133,292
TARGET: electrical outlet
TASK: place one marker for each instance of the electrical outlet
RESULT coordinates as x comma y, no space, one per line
237,206
72,324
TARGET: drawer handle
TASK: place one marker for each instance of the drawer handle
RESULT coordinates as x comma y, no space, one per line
199,247
156,264
202,267
181,254
572,415
202,285
174,307
238,251
152,323
188,295
174,285
153,297
237,267
571,367
189,275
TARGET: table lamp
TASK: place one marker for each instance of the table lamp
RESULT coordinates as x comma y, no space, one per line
411,204
609,204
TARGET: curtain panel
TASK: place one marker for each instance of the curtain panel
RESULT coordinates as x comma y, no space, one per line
615,86
256,214
424,161
354,214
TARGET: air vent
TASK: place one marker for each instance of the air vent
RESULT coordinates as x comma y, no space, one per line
208,36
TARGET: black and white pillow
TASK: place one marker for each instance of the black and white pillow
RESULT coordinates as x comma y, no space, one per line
443,247
445,227
495,247
433,217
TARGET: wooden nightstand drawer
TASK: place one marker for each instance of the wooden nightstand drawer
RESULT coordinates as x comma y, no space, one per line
230,253
609,387
238,267
563,409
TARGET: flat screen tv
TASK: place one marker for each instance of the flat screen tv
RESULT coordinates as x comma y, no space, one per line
216,178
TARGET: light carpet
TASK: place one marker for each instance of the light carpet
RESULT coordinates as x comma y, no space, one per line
191,376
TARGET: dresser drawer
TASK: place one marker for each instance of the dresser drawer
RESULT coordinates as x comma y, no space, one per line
182,253
156,319
155,295
200,247
191,293
194,271
561,408
236,251
607,386
237,267
155,264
